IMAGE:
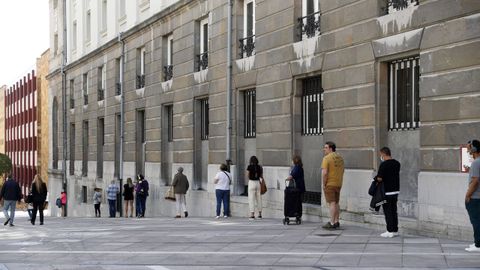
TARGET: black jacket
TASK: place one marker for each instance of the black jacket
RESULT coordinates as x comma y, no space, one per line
11,191
39,196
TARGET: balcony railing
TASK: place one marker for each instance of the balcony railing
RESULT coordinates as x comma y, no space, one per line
247,46
101,94
118,89
202,61
85,99
396,5
310,25
140,81
168,72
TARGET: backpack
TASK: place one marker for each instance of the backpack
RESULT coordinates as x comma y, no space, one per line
58,202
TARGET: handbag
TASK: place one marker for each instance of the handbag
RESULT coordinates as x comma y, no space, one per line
29,198
263,186
170,194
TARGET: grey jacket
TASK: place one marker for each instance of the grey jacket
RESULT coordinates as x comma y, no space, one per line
180,183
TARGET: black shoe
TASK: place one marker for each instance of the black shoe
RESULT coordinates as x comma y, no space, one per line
329,226
11,225
336,225
33,223
6,222
186,214
41,223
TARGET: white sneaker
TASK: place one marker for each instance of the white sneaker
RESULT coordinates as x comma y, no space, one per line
394,234
387,235
225,216
473,249
217,217
472,245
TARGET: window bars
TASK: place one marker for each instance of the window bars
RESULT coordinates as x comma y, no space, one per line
250,125
312,106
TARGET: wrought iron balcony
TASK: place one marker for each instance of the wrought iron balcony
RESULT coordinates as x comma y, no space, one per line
118,89
247,46
310,25
140,81
202,61
168,72
396,5
101,94
85,99
72,103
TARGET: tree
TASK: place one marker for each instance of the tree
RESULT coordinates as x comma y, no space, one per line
5,164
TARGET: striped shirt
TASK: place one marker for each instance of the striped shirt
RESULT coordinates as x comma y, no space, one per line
112,192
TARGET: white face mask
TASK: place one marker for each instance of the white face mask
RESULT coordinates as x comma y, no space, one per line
381,158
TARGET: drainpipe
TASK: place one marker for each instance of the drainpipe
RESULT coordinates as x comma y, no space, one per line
64,101
229,82
122,117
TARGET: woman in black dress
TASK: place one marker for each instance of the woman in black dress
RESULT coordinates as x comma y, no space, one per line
128,196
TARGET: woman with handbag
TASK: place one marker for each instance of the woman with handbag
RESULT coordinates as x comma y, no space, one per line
222,181
39,196
255,175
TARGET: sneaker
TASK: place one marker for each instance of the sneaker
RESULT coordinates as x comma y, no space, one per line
186,214
6,222
217,217
388,234
225,216
41,223
395,234
473,249
336,225
329,226
11,225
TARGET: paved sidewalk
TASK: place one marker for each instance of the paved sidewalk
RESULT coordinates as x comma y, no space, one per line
207,243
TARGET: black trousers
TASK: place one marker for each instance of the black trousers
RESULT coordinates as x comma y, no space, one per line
390,211
37,206
97,209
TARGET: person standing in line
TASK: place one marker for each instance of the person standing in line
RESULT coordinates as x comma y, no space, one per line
112,192
255,173
472,196
63,200
128,196
39,195
180,185
389,174
297,175
141,191
222,181
10,193
97,200
332,175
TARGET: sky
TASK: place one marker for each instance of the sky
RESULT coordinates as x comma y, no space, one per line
24,35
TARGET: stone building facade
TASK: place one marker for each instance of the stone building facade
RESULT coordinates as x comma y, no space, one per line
43,137
361,73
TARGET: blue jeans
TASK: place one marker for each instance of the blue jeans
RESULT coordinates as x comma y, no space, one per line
112,207
140,204
473,209
223,196
7,204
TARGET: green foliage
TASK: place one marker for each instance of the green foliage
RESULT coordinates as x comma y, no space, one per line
5,164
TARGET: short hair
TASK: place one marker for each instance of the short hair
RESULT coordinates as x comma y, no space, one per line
476,144
223,167
253,160
386,151
180,169
331,145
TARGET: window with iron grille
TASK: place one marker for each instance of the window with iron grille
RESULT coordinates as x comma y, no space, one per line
204,121
100,145
404,76
309,23
250,119
85,149
312,106
72,91
85,88
247,42
72,149
397,5
84,194
169,111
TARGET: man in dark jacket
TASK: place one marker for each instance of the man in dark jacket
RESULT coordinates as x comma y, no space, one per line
389,174
180,184
10,193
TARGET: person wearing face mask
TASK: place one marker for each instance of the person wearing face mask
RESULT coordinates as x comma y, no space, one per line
389,174
472,196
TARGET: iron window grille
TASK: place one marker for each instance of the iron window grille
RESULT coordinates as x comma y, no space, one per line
85,149
202,61
85,89
72,102
168,72
404,99
397,5
312,106
140,81
250,124
310,25
72,149
312,197
247,46
204,121
169,110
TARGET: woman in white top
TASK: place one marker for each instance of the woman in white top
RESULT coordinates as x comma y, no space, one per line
222,181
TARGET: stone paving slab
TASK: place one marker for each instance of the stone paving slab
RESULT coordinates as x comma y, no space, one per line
206,243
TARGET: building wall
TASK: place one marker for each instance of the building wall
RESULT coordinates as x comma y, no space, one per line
43,115
3,88
352,53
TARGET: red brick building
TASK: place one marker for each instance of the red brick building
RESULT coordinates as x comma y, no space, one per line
21,129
